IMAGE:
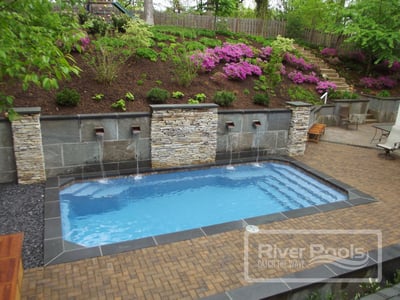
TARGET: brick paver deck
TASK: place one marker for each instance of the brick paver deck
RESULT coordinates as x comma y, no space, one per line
208,265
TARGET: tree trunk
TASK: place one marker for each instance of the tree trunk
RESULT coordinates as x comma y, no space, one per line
149,12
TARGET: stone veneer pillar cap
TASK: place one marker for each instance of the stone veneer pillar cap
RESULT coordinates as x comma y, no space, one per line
182,106
298,103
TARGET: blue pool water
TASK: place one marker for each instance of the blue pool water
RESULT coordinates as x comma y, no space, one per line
102,212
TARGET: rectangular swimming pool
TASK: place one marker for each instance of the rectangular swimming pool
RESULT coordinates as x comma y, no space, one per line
97,213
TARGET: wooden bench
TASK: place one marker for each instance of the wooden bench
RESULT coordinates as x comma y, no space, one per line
11,268
315,132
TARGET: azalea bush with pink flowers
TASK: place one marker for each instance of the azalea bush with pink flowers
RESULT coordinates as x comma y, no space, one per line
241,70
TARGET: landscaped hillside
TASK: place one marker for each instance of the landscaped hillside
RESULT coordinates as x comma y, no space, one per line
192,66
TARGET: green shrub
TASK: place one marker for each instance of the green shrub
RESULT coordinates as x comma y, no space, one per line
107,58
342,95
201,97
211,43
157,96
184,71
147,53
177,95
262,99
96,25
119,104
224,98
119,22
194,45
98,97
384,93
68,97
298,93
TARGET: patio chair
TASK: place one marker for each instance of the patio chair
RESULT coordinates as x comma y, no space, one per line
345,119
392,142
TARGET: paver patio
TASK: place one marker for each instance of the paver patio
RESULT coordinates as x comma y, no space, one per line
208,265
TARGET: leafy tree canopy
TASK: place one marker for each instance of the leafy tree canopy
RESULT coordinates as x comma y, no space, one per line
374,27
35,42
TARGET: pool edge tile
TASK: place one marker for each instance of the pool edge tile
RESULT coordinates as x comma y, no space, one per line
223,227
127,246
178,236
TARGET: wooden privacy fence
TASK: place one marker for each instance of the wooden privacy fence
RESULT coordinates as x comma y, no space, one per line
269,28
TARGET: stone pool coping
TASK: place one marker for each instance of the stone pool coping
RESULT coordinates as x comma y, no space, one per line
57,250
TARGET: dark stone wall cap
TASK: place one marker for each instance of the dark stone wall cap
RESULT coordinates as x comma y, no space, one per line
349,100
28,110
96,116
298,103
380,98
253,111
182,106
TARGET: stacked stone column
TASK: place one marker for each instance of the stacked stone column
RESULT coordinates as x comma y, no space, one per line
28,149
183,135
298,128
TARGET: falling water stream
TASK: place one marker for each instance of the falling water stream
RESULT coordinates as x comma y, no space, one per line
100,143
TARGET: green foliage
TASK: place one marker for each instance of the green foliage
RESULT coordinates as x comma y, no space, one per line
298,93
98,97
166,53
205,33
193,45
193,101
140,82
272,68
107,58
129,96
201,97
162,37
157,96
119,104
384,93
158,82
342,95
177,95
224,98
96,25
182,32
262,99
30,36
373,26
68,97
147,53
119,22
137,34
184,71
261,84
246,92
211,43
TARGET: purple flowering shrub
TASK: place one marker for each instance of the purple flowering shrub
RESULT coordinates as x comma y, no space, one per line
233,52
297,62
241,70
298,77
206,60
85,43
378,83
209,59
265,53
329,52
325,86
